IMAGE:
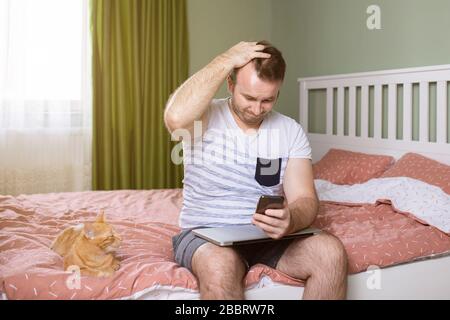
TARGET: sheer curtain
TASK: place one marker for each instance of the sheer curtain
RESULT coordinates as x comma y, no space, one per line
45,96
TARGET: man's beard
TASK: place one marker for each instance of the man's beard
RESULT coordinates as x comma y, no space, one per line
245,117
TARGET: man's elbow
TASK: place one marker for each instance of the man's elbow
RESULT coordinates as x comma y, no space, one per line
315,210
172,121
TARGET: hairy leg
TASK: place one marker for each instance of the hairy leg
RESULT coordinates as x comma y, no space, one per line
321,261
220,272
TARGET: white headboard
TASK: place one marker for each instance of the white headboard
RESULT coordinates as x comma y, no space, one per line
423,76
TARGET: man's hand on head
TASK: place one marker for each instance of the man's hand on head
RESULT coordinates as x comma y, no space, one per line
276,223
242,53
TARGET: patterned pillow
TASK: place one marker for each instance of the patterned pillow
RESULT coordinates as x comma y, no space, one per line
416,166
348,167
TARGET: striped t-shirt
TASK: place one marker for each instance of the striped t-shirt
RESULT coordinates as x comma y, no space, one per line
227,170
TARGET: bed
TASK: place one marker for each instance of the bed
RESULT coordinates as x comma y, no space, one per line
388,95
394,252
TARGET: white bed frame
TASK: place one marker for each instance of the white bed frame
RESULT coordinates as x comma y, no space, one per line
321,143
427,279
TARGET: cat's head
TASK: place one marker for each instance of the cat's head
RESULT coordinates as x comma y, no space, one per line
102,234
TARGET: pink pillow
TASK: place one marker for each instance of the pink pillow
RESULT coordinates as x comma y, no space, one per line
348,167
418,167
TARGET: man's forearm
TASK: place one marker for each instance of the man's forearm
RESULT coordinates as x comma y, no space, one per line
190,101
303,213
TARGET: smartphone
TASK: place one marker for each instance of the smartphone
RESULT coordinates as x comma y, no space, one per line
269,202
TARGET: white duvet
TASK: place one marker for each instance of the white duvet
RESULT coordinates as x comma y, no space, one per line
426,202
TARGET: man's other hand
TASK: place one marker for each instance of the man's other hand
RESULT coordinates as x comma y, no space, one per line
242,53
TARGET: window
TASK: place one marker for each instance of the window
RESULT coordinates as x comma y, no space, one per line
45,96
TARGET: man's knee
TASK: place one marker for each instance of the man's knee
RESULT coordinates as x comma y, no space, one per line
217,264
331,250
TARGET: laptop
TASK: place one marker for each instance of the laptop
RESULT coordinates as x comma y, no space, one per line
244,234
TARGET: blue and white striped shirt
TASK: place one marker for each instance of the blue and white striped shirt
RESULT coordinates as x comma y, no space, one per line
226,170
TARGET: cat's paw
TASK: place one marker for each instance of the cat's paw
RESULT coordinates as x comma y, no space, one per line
105,273
116,265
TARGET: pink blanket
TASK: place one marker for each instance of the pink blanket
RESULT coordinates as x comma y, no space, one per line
146,221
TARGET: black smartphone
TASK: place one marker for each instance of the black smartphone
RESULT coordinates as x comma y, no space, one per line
269,202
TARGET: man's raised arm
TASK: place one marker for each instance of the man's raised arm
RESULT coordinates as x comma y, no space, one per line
190,101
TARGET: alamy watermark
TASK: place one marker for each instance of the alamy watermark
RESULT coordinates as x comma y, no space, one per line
373,21
226,147
73,282
374,280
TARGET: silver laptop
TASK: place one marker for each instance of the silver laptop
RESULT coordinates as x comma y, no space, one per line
244,234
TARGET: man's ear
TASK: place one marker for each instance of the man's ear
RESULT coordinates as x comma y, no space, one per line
230,84
278,96
101,217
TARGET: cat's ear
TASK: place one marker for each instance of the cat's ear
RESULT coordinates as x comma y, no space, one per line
101,217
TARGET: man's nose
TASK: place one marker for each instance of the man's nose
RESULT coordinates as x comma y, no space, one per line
256,108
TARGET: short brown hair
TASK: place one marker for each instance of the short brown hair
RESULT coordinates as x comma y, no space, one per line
271,69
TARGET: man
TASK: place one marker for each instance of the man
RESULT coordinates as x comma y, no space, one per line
270,155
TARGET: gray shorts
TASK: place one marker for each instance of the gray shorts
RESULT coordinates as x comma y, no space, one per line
268,253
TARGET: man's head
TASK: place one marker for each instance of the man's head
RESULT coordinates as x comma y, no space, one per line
255,87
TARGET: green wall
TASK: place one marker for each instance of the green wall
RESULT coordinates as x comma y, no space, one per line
321,37
216,25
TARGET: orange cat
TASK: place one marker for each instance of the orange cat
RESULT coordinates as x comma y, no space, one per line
89,246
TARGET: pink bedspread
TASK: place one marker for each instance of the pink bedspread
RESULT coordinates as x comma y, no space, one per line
377,235
146,221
